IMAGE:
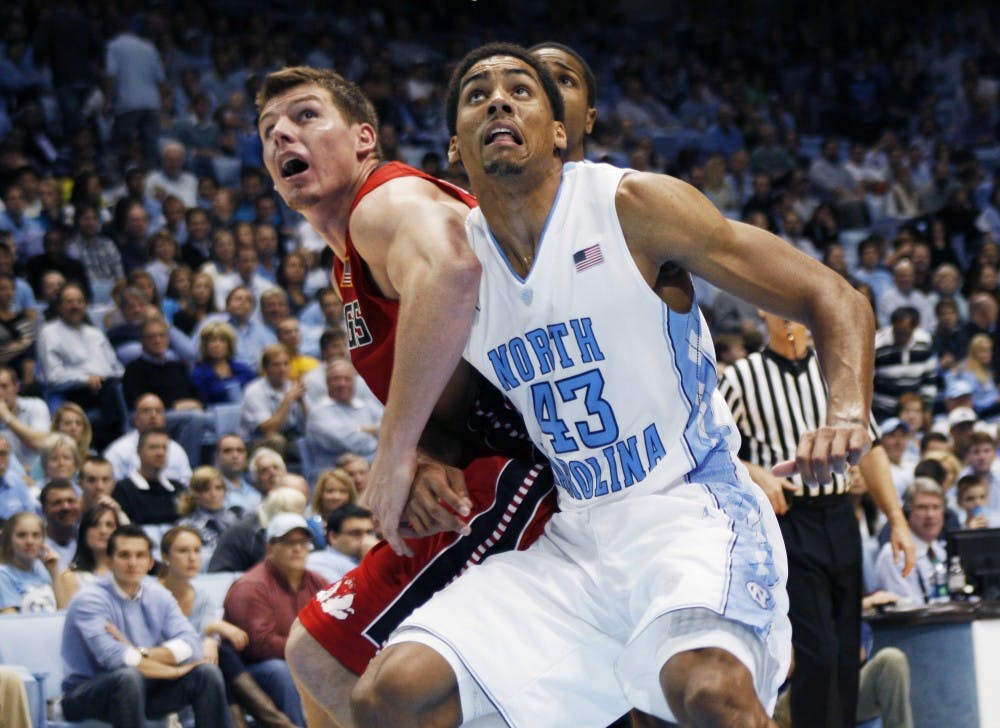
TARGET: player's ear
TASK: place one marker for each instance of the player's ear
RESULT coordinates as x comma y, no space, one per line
454,156
560,137
591,119
367,139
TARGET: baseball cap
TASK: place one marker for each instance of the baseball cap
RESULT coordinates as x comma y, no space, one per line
283,523
957,387
892,424
961,415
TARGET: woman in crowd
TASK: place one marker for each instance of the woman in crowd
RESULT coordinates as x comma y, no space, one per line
334,488
59,458
291,276
222,641
202,506
199,303
27,566
91,558
977,370
70,419
162,259
218,376
223,254
177,296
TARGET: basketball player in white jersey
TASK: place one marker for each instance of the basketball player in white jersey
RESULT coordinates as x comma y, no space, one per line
660,585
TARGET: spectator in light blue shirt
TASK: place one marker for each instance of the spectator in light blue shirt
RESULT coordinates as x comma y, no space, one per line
27,567
14,493
128,651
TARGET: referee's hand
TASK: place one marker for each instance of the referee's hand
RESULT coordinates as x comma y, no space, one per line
827,450
774,487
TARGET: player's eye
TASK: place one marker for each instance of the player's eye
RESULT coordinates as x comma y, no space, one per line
307,114
567,81
476,94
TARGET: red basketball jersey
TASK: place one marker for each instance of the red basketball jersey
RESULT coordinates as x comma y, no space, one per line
371,317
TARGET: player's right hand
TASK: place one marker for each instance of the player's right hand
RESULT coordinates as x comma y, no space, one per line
438,501
386,494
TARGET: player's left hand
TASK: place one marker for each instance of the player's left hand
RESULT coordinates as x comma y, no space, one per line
386,494
827,450
438,501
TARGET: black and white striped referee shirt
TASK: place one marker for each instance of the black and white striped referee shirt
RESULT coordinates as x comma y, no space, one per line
774,400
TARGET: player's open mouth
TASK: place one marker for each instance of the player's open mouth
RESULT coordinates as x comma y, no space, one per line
503,135
293,166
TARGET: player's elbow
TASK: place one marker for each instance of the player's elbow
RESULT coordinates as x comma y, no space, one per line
463,271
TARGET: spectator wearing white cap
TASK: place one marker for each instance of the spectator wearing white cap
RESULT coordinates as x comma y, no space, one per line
265,601
895,433
961,423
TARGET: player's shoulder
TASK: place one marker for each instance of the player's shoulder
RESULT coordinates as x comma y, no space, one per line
638,188
402,203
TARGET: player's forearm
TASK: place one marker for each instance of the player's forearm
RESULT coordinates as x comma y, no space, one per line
434,322
844,332
878,476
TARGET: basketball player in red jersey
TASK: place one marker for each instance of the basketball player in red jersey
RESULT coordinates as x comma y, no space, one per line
403,267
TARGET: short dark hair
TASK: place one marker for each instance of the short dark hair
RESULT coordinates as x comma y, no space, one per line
981,438
129,530
149,433
969,481
346,95
905,312
335,521
501,49
932,437
95,460
57,484
932,469
588,73
329,336
65,287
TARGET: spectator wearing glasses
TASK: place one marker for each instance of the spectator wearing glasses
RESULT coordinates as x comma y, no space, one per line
265,601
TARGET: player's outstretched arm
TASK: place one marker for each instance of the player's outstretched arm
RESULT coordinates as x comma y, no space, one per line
664,218
430,267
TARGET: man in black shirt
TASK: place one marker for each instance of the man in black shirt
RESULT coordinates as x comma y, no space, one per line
155,372
145,494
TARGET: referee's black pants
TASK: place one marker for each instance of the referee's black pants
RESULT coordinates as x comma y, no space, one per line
824,592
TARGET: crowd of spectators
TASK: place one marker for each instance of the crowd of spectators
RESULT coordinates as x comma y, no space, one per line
172,352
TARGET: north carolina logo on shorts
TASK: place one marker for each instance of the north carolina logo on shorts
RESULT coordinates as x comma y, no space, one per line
336,600
760,595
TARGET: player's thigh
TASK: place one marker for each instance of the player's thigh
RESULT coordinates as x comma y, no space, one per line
325,684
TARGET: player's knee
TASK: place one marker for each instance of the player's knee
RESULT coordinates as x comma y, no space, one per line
383,691
406,684
710,687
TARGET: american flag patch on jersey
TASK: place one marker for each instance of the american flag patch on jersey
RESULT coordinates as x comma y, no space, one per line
588,257
345,279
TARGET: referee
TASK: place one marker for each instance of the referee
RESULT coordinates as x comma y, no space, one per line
776,395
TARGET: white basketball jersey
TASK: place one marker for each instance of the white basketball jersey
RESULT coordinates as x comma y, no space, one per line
613,384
